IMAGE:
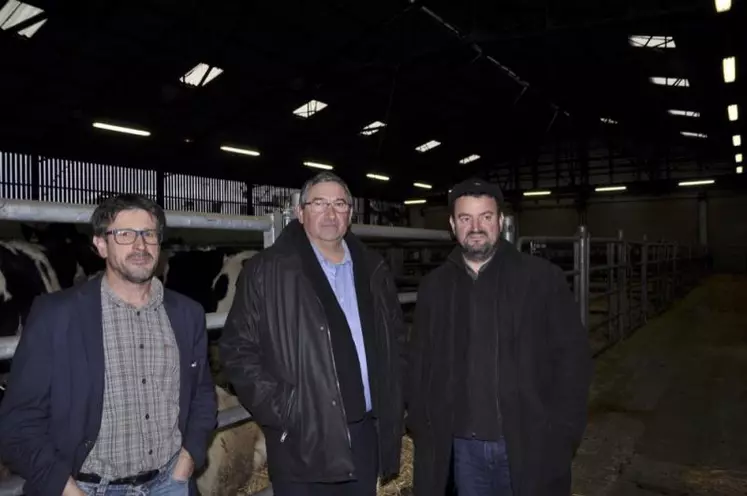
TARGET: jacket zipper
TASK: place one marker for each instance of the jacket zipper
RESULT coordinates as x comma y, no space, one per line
287,415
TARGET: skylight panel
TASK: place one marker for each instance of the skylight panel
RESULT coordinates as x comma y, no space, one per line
722,5
739,169
428,146
200,75
736,140
373,128
673,82
729,65
469,159
738,158
14,12
651,41
607,120
690,134
684,113
310,108
733,112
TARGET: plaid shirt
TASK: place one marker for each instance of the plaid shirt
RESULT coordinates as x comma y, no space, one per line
139,424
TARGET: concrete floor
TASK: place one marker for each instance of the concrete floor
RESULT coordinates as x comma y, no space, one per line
668,409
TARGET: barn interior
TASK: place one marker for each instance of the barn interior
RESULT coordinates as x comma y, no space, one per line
613,129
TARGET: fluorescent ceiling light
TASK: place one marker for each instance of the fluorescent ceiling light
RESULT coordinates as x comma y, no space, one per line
739,169
422,185
738,158
310,108
651,41
684,113
373,128
200,75
242,151
607,120
377,176
121,129
690,134
317,165
610,188
733,112
730,69
469,159
722,5
669,81
427,146
14,12
536,193
697,183
414,202
736,140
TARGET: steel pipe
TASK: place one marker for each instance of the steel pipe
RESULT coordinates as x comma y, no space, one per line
35,211
391,232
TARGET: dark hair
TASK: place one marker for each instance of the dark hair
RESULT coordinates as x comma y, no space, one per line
324,177
109,208
475,187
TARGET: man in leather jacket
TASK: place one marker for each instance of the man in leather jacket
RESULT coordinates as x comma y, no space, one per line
312,345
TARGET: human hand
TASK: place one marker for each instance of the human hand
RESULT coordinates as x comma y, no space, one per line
184,466
72,489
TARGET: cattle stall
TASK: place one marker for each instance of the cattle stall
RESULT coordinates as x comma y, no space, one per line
269,225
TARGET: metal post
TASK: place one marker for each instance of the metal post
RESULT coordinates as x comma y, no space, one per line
584,272
577,269
623,307
276,225
508,230
644,280
611,284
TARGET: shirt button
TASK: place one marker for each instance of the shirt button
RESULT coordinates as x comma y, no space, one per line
143,380
334,402
142,346
150,452
147,416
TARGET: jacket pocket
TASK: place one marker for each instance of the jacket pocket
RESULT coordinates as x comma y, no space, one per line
287,414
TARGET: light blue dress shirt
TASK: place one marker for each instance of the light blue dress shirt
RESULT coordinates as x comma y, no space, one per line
342,281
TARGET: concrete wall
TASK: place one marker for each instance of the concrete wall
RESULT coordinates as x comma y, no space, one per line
718,219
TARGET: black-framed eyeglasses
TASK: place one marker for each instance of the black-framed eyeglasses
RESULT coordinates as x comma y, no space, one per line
128,236
318,205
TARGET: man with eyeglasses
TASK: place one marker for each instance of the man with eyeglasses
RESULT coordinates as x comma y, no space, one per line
312,346
110,391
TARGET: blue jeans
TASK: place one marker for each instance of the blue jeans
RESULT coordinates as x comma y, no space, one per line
161,485
481,468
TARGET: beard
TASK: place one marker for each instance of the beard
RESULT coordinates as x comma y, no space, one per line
137,268
480,252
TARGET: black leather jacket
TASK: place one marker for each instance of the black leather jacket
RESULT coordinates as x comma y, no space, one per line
276,352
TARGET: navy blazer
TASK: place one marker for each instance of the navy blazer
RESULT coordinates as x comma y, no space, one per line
51,413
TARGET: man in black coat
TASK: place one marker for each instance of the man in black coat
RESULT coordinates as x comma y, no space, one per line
500,364
312,346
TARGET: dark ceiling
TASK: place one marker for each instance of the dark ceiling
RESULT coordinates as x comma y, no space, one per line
498,79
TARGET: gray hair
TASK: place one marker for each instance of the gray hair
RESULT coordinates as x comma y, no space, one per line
325,177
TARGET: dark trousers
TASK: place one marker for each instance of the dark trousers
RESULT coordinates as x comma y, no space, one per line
481,468
366,459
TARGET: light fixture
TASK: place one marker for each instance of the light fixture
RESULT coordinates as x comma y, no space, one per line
536,193
373,128
684,113
730,69
736,140
469,159
738,158
608,120
317,165
201,74
602,189
427,146
310,108
422,185
378,177
722,5
697,183
690,134
739,169
121,129
414,202
240,151
733,112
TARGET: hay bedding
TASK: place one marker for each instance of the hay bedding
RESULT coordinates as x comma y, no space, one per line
401,486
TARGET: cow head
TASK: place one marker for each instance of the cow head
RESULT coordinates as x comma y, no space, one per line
70,252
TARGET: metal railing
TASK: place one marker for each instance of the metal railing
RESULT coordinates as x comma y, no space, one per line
619,284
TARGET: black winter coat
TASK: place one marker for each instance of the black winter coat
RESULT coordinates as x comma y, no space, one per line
276,351
544,373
